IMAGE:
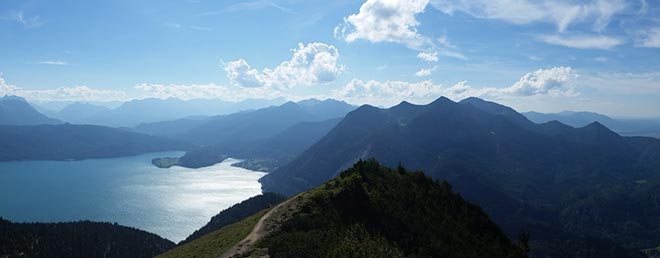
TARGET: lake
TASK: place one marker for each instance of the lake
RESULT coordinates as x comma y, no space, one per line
128,190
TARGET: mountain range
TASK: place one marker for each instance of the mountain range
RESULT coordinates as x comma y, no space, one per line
527,176
16,111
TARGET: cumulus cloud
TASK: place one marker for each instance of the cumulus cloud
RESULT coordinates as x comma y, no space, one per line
314,63
582,42
242,74
428,56
395,21
425,71
385,21
7,89
598,13
553,82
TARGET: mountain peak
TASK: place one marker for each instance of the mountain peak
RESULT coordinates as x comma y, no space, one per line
15,110
595,125
596,128
12,97
472,99
442,101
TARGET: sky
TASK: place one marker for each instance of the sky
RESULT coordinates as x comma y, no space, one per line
541,55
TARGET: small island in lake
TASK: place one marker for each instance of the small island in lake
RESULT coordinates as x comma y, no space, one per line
165,162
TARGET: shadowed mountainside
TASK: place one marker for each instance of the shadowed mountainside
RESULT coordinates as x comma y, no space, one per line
525,175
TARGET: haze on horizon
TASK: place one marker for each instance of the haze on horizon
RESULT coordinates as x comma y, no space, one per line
547,56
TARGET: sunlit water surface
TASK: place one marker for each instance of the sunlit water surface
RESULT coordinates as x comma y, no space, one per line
128,190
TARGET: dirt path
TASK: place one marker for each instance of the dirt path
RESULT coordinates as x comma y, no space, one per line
257,233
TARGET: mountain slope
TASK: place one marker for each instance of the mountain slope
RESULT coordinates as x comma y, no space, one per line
268,154
66,141
79,112
372,211
236,213
82,239
272,135
16,111
523,174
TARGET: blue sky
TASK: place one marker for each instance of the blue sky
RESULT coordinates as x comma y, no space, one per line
598,55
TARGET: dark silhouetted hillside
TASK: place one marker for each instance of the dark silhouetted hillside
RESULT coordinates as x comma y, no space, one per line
82,239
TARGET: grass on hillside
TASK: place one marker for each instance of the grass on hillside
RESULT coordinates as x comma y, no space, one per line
652,252
217,242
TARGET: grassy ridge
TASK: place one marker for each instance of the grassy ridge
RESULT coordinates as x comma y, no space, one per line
216,243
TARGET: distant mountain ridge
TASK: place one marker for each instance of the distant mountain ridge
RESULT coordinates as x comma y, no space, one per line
79,112
627,127
74,142
272,135
16,111
150,110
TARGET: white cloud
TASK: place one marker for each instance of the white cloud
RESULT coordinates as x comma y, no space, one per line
601,59
144,90
20,17
314,63
178,26
7,89
242,74
425,71
553,82
386,21
53,62
428,56
535,58
203,91
388,92
75,93
184,92
582,42
560,13
449,49
649,38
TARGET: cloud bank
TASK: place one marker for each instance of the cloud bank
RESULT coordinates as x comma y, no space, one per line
552,82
